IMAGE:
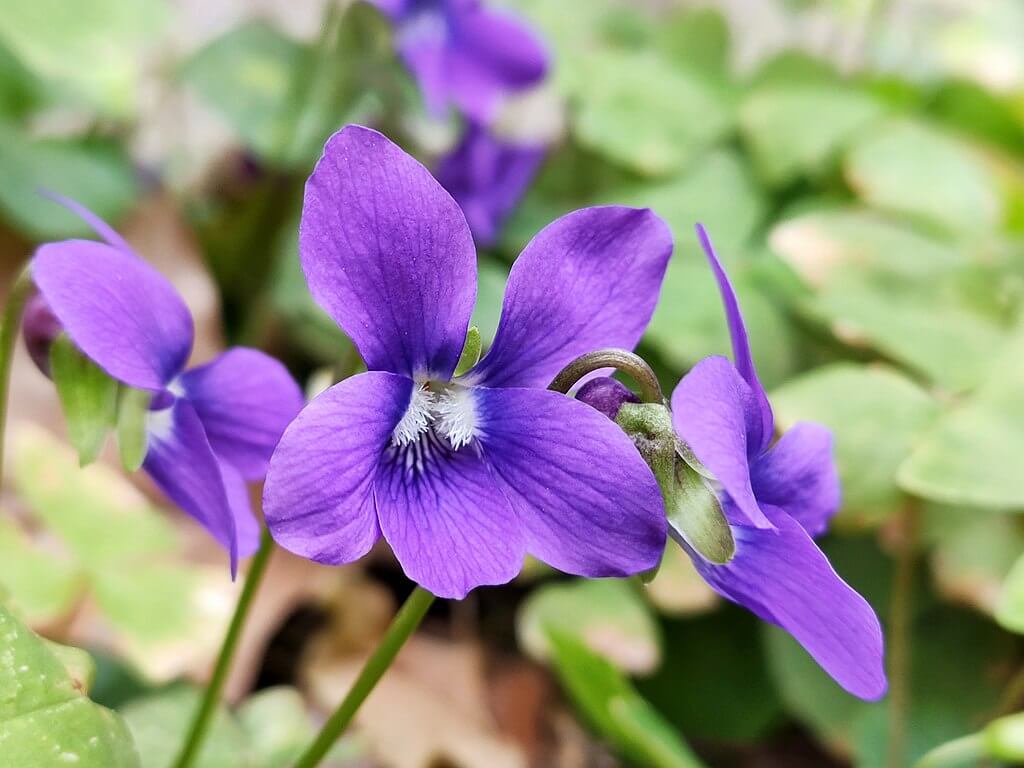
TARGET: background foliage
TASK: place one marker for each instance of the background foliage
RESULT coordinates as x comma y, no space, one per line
861,168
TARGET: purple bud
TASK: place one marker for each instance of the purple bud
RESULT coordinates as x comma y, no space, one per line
606,395
40,327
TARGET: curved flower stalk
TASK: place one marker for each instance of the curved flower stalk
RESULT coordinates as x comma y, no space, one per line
775,498
463,53
464,475
209,429
487,176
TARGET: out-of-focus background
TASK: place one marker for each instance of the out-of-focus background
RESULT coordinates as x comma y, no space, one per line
860,165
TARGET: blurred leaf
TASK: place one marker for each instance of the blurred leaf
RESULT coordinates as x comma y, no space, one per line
159,723
608,615
278,728
637,110
92,54
971,457
890,287
797,130
876,416
696,38
19,91
162,615
614,708
42,586
490,293
1010,609
1004,738
677,589
794,67
723,694
97,174
45,719
909,167
88,397
964,752
968,107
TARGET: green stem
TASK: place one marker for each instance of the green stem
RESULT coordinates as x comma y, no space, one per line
620,359
8,336
404,624
211,698
899,639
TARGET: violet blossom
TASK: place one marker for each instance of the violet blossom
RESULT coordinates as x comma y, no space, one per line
464,53
209,429
464,475
776,496
487,176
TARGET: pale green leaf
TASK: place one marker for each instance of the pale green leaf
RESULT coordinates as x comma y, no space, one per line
132,439
42,585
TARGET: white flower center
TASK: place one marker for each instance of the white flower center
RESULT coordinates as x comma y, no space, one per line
450,412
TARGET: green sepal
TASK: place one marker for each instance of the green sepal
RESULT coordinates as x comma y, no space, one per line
691,504
88,397
132,407
470,351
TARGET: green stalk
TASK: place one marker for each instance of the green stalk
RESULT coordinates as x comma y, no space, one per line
404,624
899,638
204,715
8,337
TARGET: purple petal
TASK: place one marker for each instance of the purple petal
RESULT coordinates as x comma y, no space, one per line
708,412
606,395
490,54
761,422
586,501
798,475
247,527
98,225
183,465
245,400
487,177
422,42
784,578
588,280
446,519
388,254
122,313
318,498
391,8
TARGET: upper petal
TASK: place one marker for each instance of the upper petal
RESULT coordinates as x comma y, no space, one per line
761,422
446,518
586,501
245,399
98,225
318,498
785,579
490,53
422,41
123,314
387,252
799,476
586,281
182,463
708,413
247,527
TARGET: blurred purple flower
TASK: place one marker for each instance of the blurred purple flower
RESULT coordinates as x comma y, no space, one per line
464,475
210,428
461,52
487,177
775,497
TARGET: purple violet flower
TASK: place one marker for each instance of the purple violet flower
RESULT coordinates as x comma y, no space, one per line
776,498
464,475
461,52
487,177
209,429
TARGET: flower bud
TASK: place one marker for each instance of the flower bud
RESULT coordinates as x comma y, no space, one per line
40,327
607,395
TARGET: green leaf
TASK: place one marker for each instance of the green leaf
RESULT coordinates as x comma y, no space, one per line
97,174
19,91
639,111
132,440
876,416
1004,738
45,719
608,615
159,723
614,707
964,752
911,168
696,38
42,587
108,34
88,397
786,141
971,457
1010,608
